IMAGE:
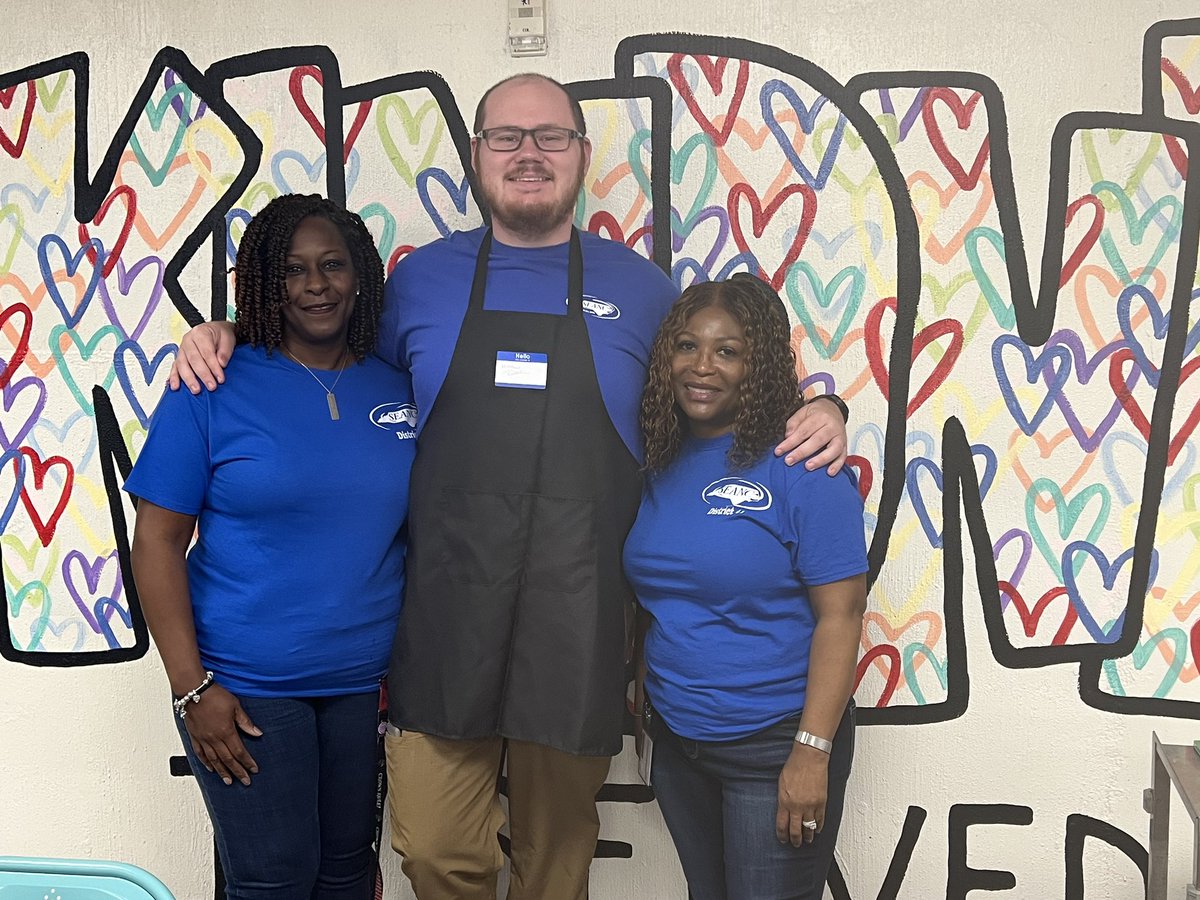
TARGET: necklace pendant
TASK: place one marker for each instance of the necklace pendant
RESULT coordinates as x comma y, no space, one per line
333,408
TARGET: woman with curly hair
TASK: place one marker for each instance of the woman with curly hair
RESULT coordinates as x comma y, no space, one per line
276,628
752,580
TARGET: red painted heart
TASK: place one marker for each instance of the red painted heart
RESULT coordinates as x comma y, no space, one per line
129,197
1088,241
296,89
714,73
1030,618
22,345
873,339
45,527
892,655
760,217
15,148
1123,390
963,113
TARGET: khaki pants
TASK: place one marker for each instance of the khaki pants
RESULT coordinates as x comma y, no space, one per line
445,812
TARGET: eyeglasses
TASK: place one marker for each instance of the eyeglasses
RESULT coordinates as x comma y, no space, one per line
509,138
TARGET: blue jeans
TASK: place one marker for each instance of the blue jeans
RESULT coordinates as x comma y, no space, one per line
719,800
305,825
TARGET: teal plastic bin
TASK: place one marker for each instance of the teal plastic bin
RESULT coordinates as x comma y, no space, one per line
27,878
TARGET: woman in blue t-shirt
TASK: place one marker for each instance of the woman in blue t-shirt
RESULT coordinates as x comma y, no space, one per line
752,578
275,628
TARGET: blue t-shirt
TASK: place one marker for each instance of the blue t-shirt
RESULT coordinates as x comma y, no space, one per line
298,572
626,298
720,561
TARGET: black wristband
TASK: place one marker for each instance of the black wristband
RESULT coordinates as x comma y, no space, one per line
838,402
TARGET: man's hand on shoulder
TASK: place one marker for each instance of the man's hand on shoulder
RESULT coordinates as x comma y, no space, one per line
816,431
203,354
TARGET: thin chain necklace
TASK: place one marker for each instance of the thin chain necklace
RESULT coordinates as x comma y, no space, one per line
329,395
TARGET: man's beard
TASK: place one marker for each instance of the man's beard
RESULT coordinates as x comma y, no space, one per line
535,220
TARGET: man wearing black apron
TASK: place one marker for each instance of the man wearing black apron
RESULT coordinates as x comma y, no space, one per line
514,622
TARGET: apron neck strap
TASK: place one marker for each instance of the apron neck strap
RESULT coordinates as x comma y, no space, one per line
574,273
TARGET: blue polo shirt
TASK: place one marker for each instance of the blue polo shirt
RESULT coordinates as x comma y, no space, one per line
297,574
721,561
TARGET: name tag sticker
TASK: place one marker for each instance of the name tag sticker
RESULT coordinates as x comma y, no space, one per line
515,369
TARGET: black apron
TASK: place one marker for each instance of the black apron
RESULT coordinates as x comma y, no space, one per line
514,620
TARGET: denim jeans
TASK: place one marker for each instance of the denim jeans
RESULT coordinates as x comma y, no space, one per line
305,825
719,800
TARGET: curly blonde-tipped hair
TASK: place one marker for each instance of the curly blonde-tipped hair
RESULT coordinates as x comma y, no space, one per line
768,394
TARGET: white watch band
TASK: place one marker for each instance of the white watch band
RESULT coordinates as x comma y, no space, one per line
803,737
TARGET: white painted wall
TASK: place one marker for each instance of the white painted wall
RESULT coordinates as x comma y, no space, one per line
83,751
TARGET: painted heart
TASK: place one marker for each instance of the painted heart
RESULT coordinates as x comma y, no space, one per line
1087,240
75,438
412,130
1087,434
1096,292
1017,570
905,123
1051,368
916,488
19,417
182,110
24,562
36,215
141,391
34,485
385,235
83,578
129,198
1160,321
687,170
806,117
62,339
1081,555
1068,517
1122,388
837,302
1177,153
1031,618
179,95
940,667
9,367
183,208
922,340
863,473
1166,214
1002,310
884,653
977,208
15,146
760,216
458,195
963,113
713,71
1125,473
1069,460
71,264
143,306
1146,650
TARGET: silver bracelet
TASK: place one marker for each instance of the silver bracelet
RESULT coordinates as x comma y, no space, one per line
192,696
803,737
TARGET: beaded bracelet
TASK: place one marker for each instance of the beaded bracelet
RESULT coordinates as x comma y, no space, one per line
192,696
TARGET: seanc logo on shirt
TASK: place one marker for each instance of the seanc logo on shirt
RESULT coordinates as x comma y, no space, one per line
733,496
398,417
601,309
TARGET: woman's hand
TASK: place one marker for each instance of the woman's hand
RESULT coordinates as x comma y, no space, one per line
213,725
803,788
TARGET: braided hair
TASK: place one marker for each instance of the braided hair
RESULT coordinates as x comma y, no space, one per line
768,394
260,291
